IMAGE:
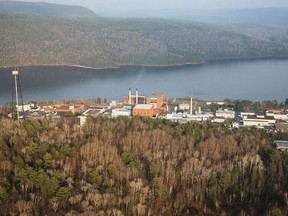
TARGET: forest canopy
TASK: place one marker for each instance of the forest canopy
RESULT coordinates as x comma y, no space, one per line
139,166
108,42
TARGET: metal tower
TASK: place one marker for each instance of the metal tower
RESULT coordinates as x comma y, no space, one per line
16,96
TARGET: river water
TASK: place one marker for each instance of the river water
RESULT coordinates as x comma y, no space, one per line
246,79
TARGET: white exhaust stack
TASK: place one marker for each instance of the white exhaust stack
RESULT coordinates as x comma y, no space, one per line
129,96
136,96
191,104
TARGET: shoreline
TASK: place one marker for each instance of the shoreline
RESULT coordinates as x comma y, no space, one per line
108,67
206,61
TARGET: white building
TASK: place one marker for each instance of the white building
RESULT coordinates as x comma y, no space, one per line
218,120
242,114
176,116
124,111
278,114
258,121
82,120
185,116
183,106
200,117
218,102
24,107
227,114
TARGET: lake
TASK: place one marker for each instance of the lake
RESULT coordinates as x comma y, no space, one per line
246,79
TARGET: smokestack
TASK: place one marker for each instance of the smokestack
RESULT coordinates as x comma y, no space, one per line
136,96
129,96
191,104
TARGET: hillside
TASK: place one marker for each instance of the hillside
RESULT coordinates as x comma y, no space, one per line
138,167
45,9
102,42
272,16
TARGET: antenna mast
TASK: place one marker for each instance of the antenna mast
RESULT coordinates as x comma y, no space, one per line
17,93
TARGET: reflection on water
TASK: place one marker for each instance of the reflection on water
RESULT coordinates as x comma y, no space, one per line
253,80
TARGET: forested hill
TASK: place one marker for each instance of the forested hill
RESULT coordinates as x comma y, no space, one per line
102,42
139,167
45,9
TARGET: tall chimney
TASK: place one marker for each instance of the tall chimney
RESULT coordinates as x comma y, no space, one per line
191,104
129,96
136,96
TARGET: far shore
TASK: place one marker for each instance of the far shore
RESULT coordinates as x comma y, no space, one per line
210,60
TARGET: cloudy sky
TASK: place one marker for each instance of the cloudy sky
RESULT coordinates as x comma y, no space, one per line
168,4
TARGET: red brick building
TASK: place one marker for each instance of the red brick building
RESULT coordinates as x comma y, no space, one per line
158,102
156,99
146,110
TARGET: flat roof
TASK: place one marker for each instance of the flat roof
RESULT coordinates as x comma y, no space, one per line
92,112
121,110
143,106
257,117
156,95
280,144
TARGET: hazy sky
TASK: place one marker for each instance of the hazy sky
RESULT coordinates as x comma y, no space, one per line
168,4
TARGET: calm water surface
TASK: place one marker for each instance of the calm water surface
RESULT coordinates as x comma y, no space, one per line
253,80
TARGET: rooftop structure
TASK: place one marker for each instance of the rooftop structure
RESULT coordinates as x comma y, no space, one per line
156,99
155,95
281,145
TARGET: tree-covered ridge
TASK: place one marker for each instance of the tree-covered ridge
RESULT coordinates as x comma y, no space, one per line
104,42
45,9
138,167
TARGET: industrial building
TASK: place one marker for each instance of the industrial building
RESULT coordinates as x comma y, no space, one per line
124,111
187,117
156,99
277,114
150,106
258,121
225,113
146,110
133,99
68,108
